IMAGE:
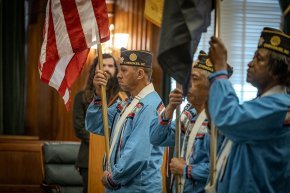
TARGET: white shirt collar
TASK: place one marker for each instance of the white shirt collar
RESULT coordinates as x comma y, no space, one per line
279,89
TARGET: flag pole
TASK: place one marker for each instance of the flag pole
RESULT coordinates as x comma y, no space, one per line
104,109
177,143
213,137
217,20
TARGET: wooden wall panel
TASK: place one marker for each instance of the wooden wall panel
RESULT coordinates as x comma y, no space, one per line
20,164
143,35
36,16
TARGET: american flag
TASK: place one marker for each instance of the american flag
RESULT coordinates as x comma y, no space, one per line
71,28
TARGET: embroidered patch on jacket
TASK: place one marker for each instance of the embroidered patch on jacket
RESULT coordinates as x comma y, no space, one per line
121,105
187,106
190,115
187,118
183,128
162,120
183,118
185,121
202,130
131,115
138,106
136,109
287,118
187,114
160,108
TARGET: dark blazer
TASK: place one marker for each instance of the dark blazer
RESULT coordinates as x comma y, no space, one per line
79,115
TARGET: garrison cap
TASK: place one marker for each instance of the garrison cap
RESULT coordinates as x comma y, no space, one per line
203,62
275,40
139,58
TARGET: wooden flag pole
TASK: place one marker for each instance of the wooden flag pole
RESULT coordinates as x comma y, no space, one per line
213,137
177,143
104,110
217,19
213,152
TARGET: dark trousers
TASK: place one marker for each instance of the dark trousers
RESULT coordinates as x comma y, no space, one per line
84,174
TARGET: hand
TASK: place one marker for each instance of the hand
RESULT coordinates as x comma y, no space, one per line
218,54
175,98
101,78
104,179
177,166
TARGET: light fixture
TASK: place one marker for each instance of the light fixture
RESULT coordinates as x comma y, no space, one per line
120,40
116,41
107,47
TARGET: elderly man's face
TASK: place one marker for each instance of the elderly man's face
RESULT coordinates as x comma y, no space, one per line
127,77
258,73
199,87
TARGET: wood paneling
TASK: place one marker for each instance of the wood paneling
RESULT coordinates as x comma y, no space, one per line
13,188
20,164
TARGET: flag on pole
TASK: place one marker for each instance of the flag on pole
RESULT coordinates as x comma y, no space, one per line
153,11
71,28
182,25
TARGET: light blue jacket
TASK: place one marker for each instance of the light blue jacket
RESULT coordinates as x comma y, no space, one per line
135,162
163,134
259,161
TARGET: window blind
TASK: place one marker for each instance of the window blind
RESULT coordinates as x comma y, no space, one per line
241,24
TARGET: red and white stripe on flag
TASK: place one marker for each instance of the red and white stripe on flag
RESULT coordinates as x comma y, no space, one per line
71,28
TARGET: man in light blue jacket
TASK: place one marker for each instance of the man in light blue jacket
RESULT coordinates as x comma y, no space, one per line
135,163
259,160
193,167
